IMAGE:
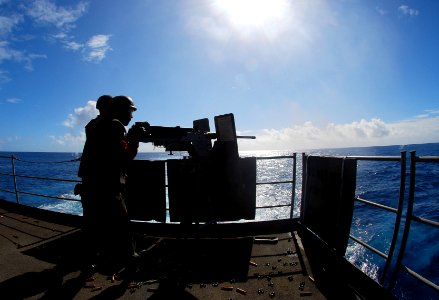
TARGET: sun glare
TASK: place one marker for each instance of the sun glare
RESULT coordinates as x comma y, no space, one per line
252,13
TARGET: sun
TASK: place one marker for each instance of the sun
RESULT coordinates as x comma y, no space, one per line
252,13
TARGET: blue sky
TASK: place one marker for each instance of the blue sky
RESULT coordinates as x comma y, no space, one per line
296,74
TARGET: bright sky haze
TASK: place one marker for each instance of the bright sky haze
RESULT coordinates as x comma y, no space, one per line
297,74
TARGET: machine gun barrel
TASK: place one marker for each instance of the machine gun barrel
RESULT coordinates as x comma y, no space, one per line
251,137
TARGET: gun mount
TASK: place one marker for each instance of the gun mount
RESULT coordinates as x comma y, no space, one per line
213,184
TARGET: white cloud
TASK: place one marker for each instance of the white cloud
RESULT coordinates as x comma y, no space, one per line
374,132
60,36
374,128
81,115
8,23
29,58
71,45
13,100
64,19
4,75
46,12
94,50
432,111
8,53
380,10
49,14
97,48
71,141
74,140
406,10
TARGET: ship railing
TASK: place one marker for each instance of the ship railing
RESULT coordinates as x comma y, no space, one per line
399,210
18,192
388,277
293,180
410,217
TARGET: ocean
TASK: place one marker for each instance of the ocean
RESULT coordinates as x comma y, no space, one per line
376,181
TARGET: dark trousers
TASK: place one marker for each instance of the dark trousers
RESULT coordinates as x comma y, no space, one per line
106,224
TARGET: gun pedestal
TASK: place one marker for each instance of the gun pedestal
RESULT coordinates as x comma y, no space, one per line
211,190
219,187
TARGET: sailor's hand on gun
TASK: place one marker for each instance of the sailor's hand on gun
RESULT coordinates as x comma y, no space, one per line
138,131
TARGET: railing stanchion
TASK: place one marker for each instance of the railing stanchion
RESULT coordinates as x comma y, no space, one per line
17,197
403,168
293,188
408,219
304,175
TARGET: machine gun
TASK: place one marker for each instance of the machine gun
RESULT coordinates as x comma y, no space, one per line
213,184
197,141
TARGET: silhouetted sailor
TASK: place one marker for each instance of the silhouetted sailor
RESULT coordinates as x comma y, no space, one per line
108,151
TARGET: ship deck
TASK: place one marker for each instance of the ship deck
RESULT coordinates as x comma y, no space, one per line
40,261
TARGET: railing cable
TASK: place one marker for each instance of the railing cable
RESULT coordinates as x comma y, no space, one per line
49,162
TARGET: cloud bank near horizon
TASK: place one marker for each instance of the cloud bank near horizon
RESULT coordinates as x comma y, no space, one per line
423,128
374,132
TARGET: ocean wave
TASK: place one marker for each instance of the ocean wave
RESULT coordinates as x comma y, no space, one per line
68,207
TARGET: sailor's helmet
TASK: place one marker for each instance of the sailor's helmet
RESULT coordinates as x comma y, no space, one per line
103,102
122,103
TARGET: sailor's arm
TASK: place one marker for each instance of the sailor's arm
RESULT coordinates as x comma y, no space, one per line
129,146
